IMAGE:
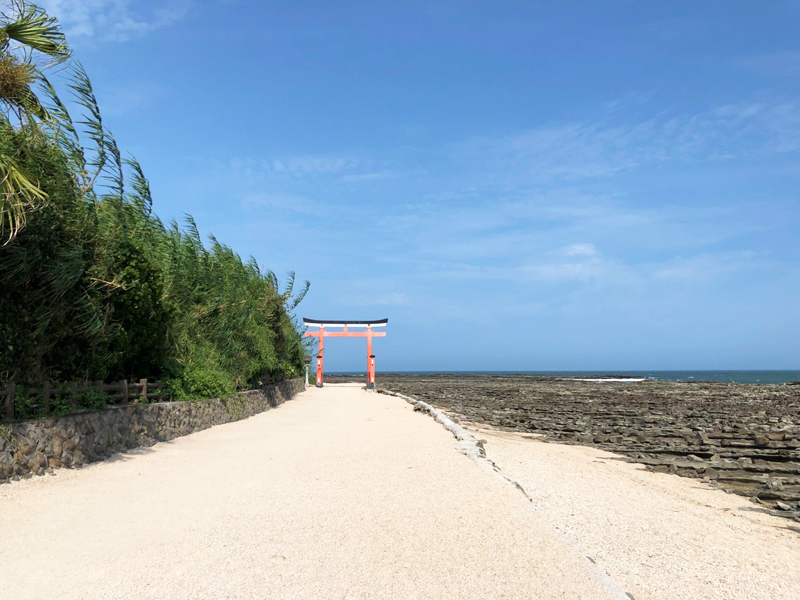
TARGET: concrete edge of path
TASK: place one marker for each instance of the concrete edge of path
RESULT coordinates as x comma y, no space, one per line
472,448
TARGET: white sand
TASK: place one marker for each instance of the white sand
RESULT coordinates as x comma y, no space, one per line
657,535
344,494
336,494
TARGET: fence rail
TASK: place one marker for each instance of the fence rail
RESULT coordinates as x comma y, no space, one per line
126,392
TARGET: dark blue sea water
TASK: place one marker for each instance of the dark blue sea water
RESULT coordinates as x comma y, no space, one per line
723,376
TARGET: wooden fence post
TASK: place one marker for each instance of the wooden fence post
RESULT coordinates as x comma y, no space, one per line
8,405
125,391
143,383
46,396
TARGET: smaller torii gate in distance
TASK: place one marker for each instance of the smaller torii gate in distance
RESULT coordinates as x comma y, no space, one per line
321,333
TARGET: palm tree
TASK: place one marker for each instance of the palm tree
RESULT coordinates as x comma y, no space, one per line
36,34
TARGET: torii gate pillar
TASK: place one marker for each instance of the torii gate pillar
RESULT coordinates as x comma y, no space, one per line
321,333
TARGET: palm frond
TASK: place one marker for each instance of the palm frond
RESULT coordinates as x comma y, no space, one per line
142,196
18,196
298,298
82,90
30,103
116,176
63,130
37,30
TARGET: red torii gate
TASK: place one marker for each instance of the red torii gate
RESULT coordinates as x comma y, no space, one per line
321,333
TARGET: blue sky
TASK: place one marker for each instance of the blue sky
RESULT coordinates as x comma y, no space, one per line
516,185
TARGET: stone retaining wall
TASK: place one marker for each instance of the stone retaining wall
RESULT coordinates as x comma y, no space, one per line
37,447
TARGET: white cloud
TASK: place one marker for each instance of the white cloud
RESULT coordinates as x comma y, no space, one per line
312,165
281,201
528,213
355,178
112,20
577,271
122,100
705,267
600,149
580,250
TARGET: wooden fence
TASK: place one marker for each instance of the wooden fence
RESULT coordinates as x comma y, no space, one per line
124,392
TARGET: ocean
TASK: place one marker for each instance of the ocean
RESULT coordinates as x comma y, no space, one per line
763,377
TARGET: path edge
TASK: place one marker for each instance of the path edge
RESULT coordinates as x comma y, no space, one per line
473,449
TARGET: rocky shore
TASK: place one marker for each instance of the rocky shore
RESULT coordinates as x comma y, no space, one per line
743,438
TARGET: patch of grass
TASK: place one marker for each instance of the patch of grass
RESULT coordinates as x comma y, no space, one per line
8,438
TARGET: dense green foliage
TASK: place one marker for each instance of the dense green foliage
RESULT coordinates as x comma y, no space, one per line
95,286
27,407
26,33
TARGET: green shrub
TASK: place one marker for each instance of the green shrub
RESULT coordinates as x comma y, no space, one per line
199,382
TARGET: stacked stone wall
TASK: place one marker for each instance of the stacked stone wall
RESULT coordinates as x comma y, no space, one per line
37,447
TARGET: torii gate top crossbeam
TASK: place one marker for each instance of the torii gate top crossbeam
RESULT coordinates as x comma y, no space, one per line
322,323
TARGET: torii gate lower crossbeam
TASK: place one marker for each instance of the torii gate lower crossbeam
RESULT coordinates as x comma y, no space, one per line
322,333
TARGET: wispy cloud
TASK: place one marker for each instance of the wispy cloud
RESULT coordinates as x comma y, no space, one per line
628,101
357,177
313,165
598,149
580,250
368,299
581,269
113,20
676,28
617,244
706,266
281,201
550,217
117,101
781,63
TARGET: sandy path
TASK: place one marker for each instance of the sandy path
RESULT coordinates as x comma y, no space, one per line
657,535
336,494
